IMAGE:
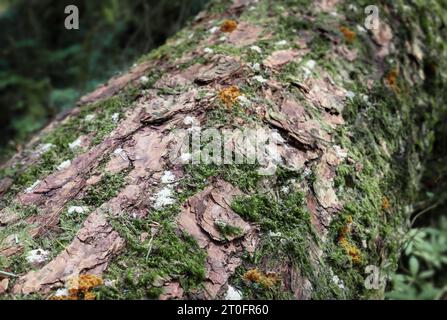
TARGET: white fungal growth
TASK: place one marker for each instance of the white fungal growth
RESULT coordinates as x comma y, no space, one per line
208,50
243,100
350,95
115,117
352,7
259,79
32,187
307,72
256,67
64,165
185,158
43,148
364,244
256,49
163,198
168,177
189,120
37,256
341,153
281,43
338,282
307,172
144,79
62,292
119,152
75,144
89,117
365,98
109,283
310,64
77,209
233,294
213,30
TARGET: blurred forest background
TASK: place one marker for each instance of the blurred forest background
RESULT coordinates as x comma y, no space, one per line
45,68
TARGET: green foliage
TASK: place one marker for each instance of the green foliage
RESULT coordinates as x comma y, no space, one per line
422,271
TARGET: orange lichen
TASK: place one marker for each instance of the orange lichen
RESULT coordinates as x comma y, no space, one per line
229,96
351,250
253,275
79,288
348,34
346,228
268,280
391,80
64,298
386,205
85,282
228,26
349,219
89,296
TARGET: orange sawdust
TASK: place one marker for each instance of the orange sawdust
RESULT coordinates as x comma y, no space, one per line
391,80
351,250
386,205
228,26
79,288
229,96
268,280
348,34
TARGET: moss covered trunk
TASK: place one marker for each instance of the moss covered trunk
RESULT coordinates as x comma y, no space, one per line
105,203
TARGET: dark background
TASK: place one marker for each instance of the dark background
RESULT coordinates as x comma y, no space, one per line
45,68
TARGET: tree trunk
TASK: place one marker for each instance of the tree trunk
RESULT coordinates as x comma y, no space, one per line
106,203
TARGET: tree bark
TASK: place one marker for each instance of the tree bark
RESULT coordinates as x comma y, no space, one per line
104,203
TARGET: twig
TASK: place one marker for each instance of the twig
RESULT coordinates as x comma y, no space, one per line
8,274
149,248
433,206
406,243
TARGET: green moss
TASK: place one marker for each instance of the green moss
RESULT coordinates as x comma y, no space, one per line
109,188
228,231
181,43
145,264
67,132
287,236
17,264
